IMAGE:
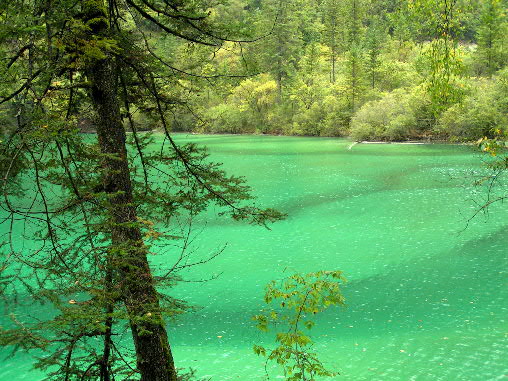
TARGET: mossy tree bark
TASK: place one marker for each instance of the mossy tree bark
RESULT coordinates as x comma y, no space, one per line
129,269
128,255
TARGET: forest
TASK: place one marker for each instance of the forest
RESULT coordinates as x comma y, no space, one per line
167,212
368,69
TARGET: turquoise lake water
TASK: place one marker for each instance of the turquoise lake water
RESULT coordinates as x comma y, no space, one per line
426,294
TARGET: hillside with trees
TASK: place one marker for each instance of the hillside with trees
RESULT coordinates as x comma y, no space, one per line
368,69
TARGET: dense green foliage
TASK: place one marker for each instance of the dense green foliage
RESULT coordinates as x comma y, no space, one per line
296,300
325,68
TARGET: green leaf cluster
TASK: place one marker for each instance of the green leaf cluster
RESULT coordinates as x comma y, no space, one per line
294,302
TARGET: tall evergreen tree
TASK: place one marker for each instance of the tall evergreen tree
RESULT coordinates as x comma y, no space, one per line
331,33
491,35
354,32
282,48
373,43
97,206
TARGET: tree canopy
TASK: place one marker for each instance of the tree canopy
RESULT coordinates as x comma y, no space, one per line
99,204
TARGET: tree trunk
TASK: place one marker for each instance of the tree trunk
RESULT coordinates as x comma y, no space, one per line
333,65
128,256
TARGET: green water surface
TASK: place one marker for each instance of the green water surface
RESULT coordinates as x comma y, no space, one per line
426,296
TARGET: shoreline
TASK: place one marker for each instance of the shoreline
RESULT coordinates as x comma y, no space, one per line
353,142
408,142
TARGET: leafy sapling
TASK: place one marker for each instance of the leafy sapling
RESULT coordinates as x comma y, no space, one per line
293,304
